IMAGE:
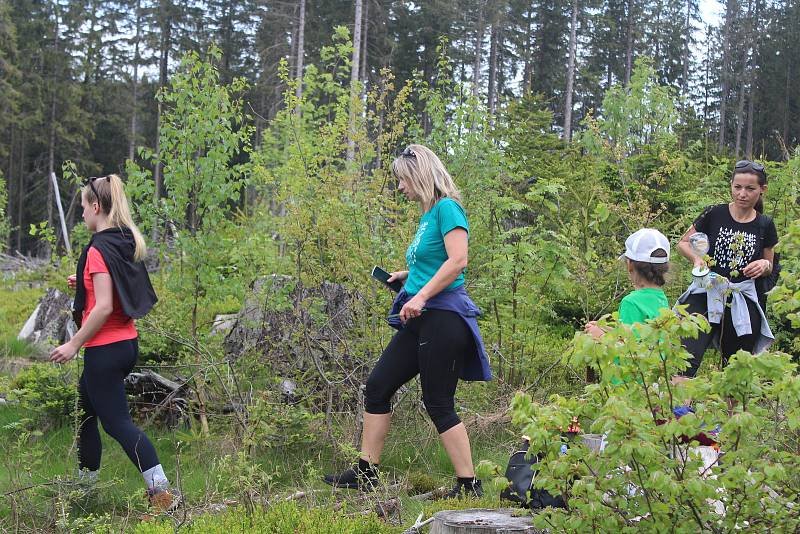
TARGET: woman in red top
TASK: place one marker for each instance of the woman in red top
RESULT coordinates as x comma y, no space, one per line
112,288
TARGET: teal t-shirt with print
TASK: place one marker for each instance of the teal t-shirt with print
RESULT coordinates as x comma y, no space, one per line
426,253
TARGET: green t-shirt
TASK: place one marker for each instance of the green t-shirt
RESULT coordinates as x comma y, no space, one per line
426,253
639,306
642,305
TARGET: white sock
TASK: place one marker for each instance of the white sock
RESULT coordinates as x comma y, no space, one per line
88,476
155,478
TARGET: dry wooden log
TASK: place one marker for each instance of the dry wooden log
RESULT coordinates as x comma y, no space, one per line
156,396
481,521
19,262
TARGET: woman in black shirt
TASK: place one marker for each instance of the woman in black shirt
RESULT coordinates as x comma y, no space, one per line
742,248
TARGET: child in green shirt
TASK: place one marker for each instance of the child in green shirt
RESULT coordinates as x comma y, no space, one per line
647,258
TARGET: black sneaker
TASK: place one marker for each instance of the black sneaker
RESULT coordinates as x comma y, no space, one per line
466,488
354,478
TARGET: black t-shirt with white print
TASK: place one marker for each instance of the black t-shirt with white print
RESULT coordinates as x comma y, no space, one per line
733,245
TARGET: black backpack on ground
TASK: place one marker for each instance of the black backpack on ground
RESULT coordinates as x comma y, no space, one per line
520,474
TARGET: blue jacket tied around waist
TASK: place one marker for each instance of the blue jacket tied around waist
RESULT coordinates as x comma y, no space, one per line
476,365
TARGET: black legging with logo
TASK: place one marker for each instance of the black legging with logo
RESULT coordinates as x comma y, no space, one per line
102,396
432,345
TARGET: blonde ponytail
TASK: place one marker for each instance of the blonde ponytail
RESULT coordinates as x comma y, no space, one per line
109,193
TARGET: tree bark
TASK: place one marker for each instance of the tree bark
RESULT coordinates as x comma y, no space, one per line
739,119
476,68
12,184
351,147
731,8
363,69
20,189
573,38
658,26
750,109
51,150
786,104
163,66
629,43
528,77
751,78
491,97
687,31
135,104
747,73
301,27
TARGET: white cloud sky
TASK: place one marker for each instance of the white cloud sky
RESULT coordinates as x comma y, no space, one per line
711,11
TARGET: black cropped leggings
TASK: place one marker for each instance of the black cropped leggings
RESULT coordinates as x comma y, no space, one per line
432,345
102,396
729,342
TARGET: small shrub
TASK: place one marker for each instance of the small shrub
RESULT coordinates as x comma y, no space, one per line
48,392
273,423
648,479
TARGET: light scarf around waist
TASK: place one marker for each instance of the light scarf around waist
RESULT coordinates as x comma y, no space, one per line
716,296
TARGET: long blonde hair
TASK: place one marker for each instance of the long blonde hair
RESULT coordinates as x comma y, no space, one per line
109,193
426,175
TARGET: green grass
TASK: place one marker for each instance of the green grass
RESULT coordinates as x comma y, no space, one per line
11,347
16,305
413,450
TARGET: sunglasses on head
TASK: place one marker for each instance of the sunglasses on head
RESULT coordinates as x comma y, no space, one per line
91,180
746,163
408,153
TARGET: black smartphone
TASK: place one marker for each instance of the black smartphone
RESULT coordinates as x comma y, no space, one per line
383,276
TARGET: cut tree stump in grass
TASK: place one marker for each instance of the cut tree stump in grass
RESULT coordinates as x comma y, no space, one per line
481,521
50,324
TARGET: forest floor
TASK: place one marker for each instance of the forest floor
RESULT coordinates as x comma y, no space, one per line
40,471
226,489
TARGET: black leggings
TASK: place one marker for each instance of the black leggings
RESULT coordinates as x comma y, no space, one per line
432,345
729,342
102,396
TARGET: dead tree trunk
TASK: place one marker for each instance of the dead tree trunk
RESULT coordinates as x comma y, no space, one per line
573,38
491,97
476,74
629,43
135,103
20,189
786,106
301,27
687,28
739,119
528,76
731,9
363,69
351,145
163,66
51,152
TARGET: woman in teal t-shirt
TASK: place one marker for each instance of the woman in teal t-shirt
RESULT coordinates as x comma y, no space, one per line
438,337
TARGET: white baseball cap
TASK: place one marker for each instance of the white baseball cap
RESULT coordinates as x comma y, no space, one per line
641,244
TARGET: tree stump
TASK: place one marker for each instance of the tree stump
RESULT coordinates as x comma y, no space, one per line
50,324
480,521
